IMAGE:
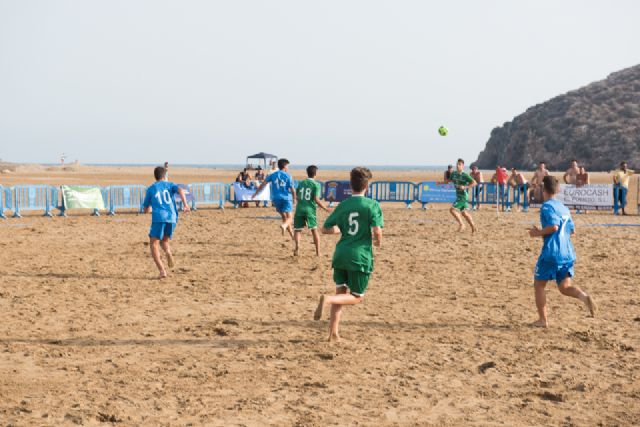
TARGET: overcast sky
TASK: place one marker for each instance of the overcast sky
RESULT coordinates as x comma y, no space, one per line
329,82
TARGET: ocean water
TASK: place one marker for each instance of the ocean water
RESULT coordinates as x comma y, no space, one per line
239,166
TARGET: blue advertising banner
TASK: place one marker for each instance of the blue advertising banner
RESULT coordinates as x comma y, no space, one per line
432,192
337,191
187,194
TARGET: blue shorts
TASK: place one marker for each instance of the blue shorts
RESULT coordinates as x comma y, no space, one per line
160,230
283,206
546,270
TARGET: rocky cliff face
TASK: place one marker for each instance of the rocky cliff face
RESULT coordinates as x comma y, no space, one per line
598,125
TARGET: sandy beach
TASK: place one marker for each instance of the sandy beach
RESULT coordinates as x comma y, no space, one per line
89,337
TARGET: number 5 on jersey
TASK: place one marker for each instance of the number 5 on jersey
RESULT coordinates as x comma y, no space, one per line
354,226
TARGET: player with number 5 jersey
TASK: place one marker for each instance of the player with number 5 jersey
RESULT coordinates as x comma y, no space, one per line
359,221
160,201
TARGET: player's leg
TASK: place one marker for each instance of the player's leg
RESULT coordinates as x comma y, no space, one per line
156,233
467,216
541,303
316,240
289,223
566,287
164,244
312,223
298,225
336,313
456,214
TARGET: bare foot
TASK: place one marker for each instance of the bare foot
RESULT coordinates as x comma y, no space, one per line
170,261
540,324
461,228
334,338
473,228
318,313
296,252
283,227
591,305
163,275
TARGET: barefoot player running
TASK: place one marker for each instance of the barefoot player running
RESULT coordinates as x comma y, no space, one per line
557,256
359,221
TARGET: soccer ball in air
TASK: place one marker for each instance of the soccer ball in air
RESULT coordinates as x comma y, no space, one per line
443,131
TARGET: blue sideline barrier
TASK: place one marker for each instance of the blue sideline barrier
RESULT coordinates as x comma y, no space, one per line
491,194
432,192
3,198
393,191
95,212
209,193
520,197
126,197
33,198
3,201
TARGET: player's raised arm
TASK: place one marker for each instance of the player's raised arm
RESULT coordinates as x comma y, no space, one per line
260,188
183,197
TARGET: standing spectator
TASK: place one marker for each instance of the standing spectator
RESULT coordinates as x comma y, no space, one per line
166,169
447,174
477,177
536,182
571,173
621,184
518,182
500,179
272,167
582,178
259,178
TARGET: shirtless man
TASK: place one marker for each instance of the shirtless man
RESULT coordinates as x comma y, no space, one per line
582,178
477,177
518,182
536,181
571,173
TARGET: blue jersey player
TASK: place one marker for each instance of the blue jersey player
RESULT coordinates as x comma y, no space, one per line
558,256
283,194
160,201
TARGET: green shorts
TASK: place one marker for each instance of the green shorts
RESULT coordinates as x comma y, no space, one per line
461,203
356,281
300,220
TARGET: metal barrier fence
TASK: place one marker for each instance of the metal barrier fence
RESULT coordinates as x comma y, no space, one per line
393,191
488,193
126,197
3,198
32,198
209,193
105,198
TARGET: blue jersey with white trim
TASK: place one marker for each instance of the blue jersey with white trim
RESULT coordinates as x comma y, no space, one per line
557,247
160,196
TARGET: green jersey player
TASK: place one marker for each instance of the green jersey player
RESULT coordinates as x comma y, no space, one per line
359,221
462,181
308,192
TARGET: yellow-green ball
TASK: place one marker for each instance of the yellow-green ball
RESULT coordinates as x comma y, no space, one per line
443,131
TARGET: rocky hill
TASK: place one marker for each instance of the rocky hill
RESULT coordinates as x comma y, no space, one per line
599,125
